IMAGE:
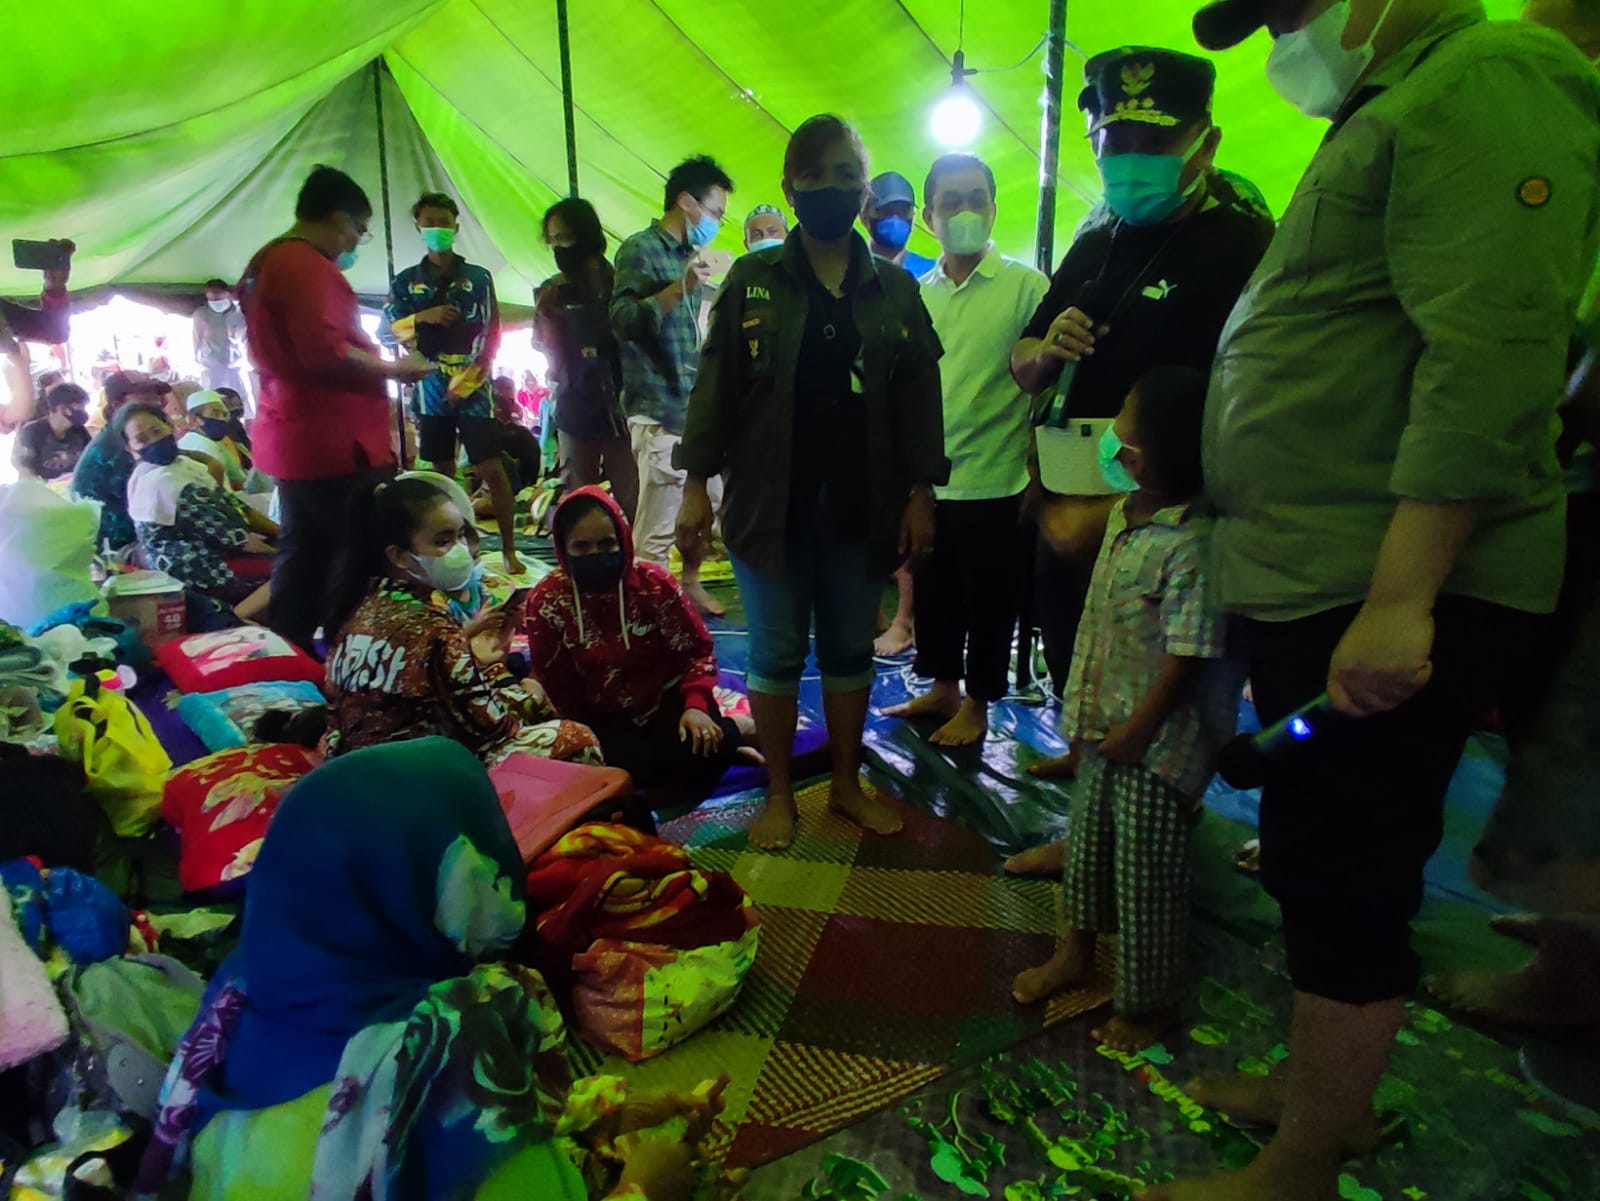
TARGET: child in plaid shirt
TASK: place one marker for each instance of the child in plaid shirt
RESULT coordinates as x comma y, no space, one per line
1150,701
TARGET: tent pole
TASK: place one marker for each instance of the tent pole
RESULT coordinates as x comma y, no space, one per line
1050,136
383,164
388,237
1044,248
564,35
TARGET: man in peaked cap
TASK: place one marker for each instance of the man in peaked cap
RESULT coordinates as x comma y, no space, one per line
1148,287
1380,448
888,211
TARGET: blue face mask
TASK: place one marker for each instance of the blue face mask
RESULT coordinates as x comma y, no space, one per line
346,260
215,428
704,231
893,232
1143,189
1117,477
767,244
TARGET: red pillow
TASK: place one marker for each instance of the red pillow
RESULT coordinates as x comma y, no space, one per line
221,805
229,658
543,798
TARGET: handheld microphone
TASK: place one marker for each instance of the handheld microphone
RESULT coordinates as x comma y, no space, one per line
1243,762
1093,299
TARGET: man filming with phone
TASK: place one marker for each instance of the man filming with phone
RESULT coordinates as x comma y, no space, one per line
662,273
20,324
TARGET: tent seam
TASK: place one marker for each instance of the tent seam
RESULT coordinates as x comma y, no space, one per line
747,94
398,31
576,107
506,150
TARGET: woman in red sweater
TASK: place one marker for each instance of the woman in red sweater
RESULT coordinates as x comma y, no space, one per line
618,648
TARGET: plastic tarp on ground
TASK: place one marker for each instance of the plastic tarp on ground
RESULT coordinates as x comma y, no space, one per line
169,139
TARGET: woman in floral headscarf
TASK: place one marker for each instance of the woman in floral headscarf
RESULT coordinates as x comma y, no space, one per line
359,1046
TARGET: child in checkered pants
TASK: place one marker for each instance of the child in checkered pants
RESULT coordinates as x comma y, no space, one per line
1150,701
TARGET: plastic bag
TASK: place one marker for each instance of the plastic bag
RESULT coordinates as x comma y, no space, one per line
78,1164
639,1000
46,548
123,762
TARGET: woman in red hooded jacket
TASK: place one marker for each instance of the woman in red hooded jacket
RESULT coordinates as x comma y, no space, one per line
618,648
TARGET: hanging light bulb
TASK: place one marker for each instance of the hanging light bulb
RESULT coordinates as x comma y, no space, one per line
957,120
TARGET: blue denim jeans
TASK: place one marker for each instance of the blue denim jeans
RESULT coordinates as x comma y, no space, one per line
824,577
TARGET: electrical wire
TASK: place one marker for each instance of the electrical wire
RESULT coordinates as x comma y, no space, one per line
1028,58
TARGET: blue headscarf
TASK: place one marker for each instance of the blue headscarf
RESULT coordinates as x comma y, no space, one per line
386,877
342,927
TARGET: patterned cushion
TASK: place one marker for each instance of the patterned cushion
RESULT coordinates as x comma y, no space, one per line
228,658
228,717
221,806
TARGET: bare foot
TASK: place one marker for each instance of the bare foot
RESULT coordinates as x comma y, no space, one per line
513,565
1537,928
1069,967
942,701
1261,1181
1247,1100
1247,859
1524,927
773,829
750,756
1048,860
746,725
1242,1098
703,600
896,640
1135,1032
1554,991
1057,767
866,811
968,727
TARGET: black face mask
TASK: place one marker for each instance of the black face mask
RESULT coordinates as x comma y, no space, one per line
828,213
596,573
162,452
570,260
78,417
215,428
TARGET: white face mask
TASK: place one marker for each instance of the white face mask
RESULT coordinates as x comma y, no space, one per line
220,306
446,572
1313,70
967,233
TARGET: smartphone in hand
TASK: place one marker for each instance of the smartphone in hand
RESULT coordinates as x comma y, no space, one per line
516,608
718,262
39,256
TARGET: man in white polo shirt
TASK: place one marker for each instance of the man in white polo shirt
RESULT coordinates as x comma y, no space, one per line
969,591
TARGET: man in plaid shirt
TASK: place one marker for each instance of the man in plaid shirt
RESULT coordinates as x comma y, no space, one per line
1150,701
655,310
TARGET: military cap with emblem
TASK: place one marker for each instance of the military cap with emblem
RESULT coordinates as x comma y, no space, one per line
1161,88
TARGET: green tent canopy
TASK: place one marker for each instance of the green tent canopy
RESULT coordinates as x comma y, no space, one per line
169,139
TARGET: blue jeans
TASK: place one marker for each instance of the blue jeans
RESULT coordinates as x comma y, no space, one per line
824,576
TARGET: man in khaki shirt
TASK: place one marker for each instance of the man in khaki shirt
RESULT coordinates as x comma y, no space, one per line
1381,449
